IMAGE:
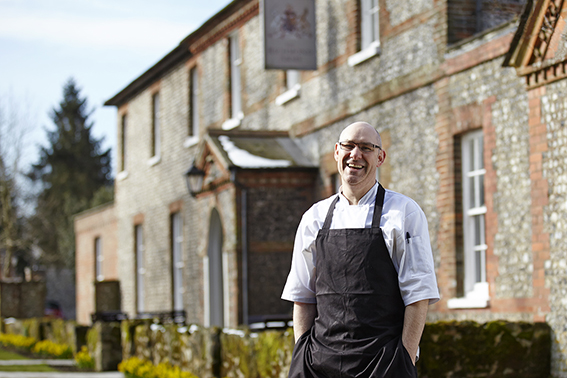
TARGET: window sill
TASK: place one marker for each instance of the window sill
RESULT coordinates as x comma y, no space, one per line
154,160
230,124
191,141
121,175
363,55
288,95
477,298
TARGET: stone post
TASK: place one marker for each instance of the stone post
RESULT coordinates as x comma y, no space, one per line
105,343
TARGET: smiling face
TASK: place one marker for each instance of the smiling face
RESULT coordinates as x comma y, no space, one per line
358,168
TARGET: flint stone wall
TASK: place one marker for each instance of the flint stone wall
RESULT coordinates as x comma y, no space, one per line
554,114
448,349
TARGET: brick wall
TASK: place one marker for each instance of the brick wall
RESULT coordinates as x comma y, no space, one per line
150,187
273,214
96,223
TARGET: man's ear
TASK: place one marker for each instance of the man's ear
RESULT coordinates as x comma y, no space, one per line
336,154
381,158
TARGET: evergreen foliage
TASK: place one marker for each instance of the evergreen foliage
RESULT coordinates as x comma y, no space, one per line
70,170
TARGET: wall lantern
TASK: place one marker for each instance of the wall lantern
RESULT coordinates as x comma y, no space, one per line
194,179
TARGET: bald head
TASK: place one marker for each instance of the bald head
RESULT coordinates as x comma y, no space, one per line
362,127
357,159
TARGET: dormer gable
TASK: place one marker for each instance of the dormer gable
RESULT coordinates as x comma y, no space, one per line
539,47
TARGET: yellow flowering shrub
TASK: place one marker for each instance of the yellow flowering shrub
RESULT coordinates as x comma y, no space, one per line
84,359
137,368
50,348
18,341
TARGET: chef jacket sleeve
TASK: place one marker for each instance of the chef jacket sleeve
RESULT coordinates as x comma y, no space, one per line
416,272
300,284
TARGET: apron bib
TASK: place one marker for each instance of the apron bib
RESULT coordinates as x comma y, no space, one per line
360,312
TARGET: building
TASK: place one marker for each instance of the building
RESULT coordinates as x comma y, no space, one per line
96,259
468,97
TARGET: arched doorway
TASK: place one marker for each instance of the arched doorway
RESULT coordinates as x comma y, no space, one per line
215,272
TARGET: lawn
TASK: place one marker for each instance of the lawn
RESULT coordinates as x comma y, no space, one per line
8,355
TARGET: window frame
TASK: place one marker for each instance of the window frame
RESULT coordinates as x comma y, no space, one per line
194,130
369,29
156,131
177,263
476,293
99,258
369,23
123,134
292,87
193,102
235,61
139,268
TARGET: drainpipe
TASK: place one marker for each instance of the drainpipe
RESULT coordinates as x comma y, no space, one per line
244,240
244,229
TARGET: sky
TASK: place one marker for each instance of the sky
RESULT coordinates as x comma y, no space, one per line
103,44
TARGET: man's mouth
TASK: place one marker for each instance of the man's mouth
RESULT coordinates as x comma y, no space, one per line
354,166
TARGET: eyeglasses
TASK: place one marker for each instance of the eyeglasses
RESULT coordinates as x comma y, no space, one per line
364,147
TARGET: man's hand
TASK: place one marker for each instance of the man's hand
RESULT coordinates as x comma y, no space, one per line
414,322
303,316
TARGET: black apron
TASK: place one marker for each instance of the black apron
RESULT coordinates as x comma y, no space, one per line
360,312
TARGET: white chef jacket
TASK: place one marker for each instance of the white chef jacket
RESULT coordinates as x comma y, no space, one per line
404,227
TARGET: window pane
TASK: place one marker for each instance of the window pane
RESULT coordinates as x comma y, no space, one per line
98,259
123,143
365,24
177,259
472,202
470,165
194,103
235,77
480,153
477,230
374,17
478,266
291,78
139,269
481,190
156,134
482,230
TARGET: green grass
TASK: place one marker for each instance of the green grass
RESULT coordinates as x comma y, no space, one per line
8,355
29,368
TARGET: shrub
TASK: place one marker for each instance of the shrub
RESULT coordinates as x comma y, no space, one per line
84,359
17,341
50,348
137,368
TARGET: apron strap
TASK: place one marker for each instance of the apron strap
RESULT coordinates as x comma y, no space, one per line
329,216
378,205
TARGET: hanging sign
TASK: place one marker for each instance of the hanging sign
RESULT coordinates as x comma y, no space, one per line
290,38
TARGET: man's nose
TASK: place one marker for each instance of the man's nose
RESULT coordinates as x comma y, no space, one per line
356,153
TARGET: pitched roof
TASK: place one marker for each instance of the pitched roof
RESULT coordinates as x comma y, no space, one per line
258,150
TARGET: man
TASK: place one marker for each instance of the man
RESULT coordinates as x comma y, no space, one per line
362,273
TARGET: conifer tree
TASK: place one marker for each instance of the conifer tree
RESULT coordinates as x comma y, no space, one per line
70,170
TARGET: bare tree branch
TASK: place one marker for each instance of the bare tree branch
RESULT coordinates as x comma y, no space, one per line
15,124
